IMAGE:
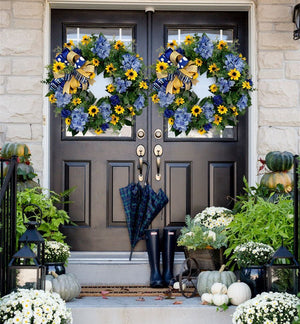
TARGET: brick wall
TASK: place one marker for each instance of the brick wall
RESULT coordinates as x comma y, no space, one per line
21,69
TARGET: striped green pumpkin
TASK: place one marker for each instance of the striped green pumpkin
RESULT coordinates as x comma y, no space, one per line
279,161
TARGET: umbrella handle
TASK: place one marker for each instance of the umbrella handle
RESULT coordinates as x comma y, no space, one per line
147,172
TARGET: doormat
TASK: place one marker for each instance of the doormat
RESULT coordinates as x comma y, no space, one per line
128,291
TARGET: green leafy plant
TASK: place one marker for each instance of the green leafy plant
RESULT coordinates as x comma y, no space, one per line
261,220
52,217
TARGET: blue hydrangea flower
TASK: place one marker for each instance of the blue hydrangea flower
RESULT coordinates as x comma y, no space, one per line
208,110
122,85
65,113
165,99
168,113
243,102
62,99
104,127
79,119
139,103
182,119
105,110
234,62
207,127
225,85
205,47
250,82
115,100
131,62
218,100
101,47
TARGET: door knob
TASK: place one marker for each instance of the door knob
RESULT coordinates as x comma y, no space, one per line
158,153
140,152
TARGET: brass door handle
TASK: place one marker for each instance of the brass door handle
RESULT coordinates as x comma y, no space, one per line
158,153
140,152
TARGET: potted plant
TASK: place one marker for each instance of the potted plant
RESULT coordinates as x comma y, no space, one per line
34,306
56,256
251,258
205,235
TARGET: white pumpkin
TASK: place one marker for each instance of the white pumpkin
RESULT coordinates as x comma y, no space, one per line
218,288
66,285
207,298
177,285
238,293
220,299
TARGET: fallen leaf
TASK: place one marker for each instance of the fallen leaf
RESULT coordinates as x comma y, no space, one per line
160,298
104,294
177,302
204,303
140,299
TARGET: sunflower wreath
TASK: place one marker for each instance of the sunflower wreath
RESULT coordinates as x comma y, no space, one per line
177,71
72,73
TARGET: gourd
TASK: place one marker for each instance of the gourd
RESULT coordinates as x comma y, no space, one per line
279,161
177,285
207,298
206,279
218,288
238,292
220,299
272,179
18,149
66,285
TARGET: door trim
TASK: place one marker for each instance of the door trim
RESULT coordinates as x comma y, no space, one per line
198,5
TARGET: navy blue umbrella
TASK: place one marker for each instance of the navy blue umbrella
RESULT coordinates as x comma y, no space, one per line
141,205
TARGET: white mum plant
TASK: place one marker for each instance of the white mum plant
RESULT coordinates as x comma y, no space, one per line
212,217
267,308
56,252
34,306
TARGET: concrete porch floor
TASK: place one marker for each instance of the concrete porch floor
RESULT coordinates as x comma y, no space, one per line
127,310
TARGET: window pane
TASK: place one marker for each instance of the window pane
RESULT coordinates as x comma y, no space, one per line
202,87
98,88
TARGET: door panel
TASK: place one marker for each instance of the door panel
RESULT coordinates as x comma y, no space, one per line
196,172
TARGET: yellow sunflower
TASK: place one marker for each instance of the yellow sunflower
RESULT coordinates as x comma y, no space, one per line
213,68
196,110
218,119
222,109
242,57
198,62
171,121
114,119
92,76
143,85
58,67
179,101
222,44
132,113
76,101
93,110
52,98
234,110
246,85
110,68
95,62
188,40
155,98
161,66
201,131
110,88
98,131
139,57
119,44
234,74
213,88
172,44
68,121
131,74
119,109
69,44
85,39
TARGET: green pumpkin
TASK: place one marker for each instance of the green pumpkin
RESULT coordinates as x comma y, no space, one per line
25,172
22,185
18,149
207,278
279,161
272,179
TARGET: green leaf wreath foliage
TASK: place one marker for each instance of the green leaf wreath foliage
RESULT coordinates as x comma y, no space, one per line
176,72
73,71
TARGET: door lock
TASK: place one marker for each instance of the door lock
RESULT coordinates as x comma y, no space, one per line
158,133
140,133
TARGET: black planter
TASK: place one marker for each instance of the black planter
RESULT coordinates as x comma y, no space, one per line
58,268
255,278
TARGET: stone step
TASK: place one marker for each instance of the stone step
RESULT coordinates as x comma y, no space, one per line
107,268
128,310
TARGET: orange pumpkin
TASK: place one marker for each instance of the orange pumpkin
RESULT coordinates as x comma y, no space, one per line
272,179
